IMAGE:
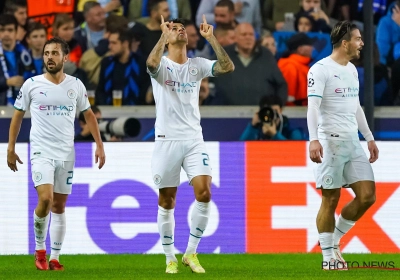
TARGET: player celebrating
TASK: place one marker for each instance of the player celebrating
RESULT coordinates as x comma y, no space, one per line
334,117
53,99
179,140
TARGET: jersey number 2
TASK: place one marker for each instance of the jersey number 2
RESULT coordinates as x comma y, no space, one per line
69,179
205,159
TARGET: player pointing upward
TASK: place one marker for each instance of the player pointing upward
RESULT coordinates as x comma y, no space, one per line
179,140
334,117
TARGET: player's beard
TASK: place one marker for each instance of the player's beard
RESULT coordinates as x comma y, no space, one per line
57,68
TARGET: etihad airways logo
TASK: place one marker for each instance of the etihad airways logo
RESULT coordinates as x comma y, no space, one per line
181,86
348,92
57,110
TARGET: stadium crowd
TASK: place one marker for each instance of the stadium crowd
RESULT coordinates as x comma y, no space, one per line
110,41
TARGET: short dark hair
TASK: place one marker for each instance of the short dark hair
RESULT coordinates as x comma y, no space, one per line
12,6
8,19
115,22
124,35
226,3
33,26
342,31
153,4
182,21
58,40
88,6
270,100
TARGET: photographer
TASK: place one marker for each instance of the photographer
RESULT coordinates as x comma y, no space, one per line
269,123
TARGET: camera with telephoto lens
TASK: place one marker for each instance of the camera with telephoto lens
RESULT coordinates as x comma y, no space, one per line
121,127
267,115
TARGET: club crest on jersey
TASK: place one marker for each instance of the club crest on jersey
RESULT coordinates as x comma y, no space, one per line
193,71
38,176
157,179
71,94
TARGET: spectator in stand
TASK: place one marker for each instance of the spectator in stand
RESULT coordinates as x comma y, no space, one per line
268,41
123,71
225,35
151,32
63,27
305,22
91,59
294,66
138,10
89,33
207,94
19,9
36,37
275,12
388,33
256,71
193,39
243,11
16,63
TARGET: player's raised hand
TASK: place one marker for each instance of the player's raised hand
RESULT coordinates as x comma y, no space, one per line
373,151
316,151
12,159
206,30
166,26
100,156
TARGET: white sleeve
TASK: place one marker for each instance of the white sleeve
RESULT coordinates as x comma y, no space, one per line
82,103
160,68
23,100
363,125
316,81
206,67
312,116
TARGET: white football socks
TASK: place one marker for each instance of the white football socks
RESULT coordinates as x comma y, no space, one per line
57,234
341,228
326,243
199,221
40,227
166,228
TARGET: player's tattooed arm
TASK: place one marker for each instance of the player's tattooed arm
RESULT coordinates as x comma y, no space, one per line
154,59
224,64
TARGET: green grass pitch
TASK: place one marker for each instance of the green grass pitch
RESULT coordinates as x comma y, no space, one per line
222,266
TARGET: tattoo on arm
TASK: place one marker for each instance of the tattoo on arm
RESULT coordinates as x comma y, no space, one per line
224,64
154,59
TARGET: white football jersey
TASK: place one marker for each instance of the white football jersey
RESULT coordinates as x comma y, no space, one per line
53,110
176,93
338,86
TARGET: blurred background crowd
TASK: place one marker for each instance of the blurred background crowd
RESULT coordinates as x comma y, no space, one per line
271,42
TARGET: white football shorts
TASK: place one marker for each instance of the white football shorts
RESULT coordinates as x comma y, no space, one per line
169,156
343,163
55,172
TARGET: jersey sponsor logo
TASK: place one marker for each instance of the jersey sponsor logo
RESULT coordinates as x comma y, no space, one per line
57,110
184,87
310,82
351,91
193,71
71,94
